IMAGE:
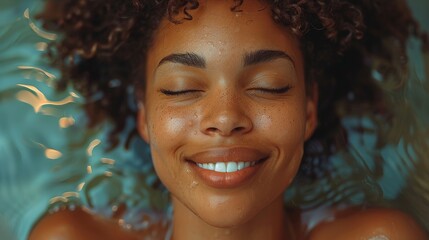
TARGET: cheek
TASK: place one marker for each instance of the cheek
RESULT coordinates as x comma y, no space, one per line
263,121
282,124
168,127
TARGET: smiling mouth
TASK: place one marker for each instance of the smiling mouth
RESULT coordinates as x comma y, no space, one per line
228,167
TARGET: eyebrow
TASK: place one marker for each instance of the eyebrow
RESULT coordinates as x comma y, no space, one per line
251,58
188,59
262,56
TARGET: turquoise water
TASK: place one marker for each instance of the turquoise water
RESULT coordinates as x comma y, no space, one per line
48,160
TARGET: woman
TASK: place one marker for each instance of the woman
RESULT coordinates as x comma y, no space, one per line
228,93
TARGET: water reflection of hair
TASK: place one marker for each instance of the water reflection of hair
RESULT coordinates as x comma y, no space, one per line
352,49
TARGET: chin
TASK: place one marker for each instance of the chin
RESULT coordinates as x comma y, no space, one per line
226,219
227,212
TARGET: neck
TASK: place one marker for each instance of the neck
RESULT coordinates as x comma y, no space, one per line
271,224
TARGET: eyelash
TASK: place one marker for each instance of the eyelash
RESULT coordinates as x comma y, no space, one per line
175,93
281,90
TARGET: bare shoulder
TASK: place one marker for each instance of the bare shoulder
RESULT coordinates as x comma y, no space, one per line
77,224
370,224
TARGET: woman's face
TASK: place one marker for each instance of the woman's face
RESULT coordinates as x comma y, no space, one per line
225,111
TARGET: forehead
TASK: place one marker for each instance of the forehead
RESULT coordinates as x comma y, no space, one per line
216,30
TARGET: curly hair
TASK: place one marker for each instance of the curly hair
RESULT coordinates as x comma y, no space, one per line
344,42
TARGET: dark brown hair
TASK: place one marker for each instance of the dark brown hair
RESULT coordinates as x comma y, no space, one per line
346,45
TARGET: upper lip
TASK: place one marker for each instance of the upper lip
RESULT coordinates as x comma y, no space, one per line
236,154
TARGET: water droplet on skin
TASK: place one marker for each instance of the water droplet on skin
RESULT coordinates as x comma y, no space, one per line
211,44
72,207
194,184
121,222
54,209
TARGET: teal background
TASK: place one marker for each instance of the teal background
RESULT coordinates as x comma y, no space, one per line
29,180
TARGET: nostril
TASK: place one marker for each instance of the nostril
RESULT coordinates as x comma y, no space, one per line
226,123
238,129
212,129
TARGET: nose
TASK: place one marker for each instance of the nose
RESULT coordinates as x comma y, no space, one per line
225,117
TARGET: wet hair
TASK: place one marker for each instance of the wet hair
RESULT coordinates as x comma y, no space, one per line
351,48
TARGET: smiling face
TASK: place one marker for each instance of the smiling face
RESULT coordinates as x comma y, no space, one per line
225,111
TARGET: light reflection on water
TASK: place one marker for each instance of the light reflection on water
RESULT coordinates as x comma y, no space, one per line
36,29
35,130
38,100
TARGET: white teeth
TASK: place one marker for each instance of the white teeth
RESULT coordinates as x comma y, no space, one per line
240,165
226,167
231,167
211,166
220,167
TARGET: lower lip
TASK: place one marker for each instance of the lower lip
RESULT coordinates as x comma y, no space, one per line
226,180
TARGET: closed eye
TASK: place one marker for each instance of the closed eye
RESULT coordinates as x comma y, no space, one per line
181,92
281,90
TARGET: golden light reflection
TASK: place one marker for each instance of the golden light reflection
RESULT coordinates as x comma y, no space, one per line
73,94
66,122
49,111
64,197
91,146
80,186
38,100
41,74
107,161
58,199
89,169
52,153
41,46
71,194
37,30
